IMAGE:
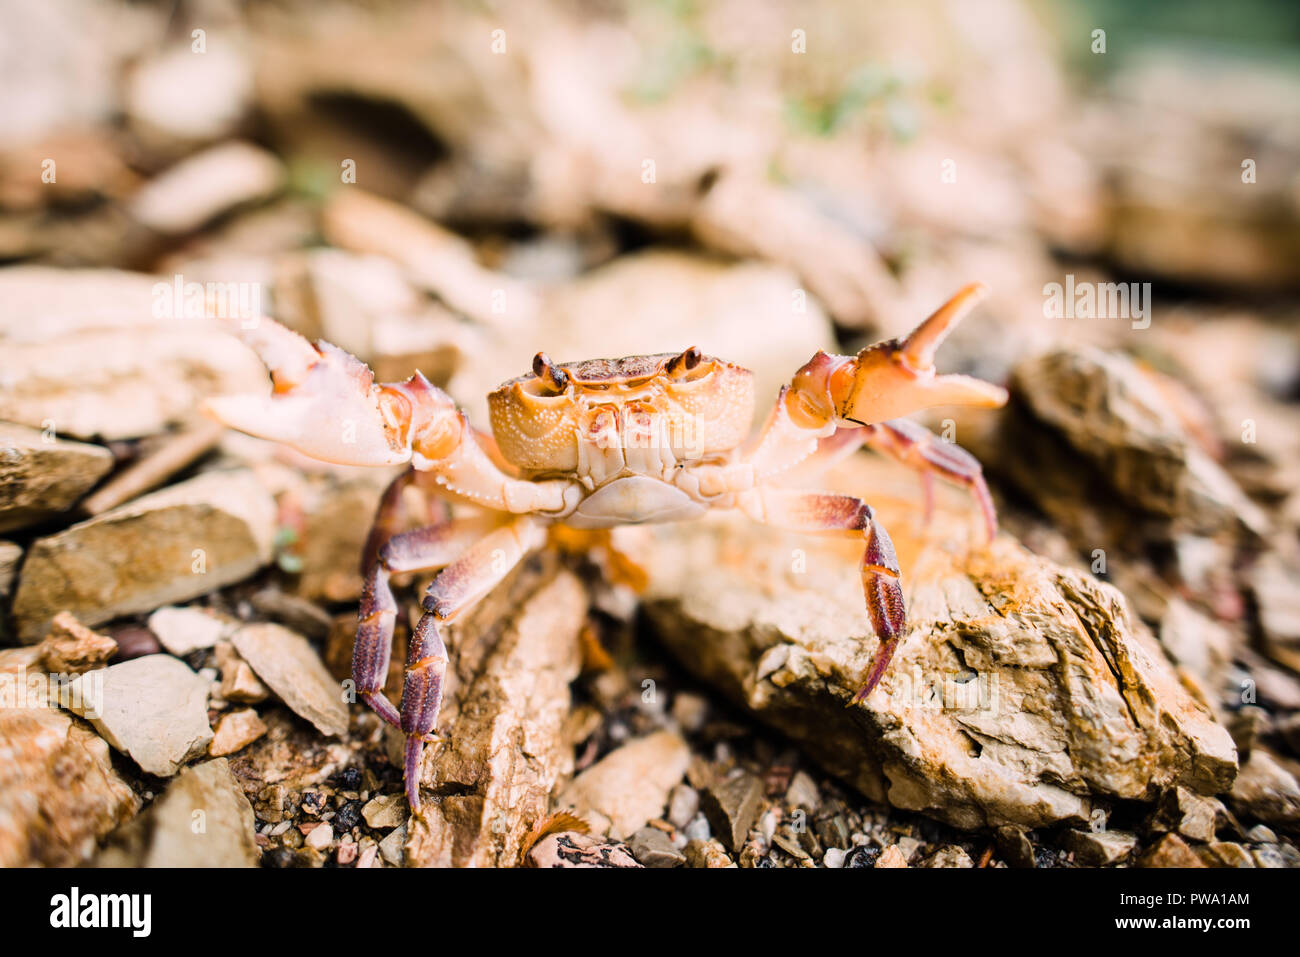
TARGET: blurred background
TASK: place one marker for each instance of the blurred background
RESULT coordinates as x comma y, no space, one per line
455,186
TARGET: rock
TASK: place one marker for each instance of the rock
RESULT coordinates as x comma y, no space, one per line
802,792
575,849
505,744
892,856
1015,846
182,630
707,853
84,349
683,805
1093,439
732,807
630,785
1196,642
980,721
239,684
201,187
297,614
178,96
168,836
392,847
1266,791
385,810
690,711
172,545
59,793
1225,854
1261,834
153,709
319,837
72,648
653,848
292,669
1187,813
1170,851
1273,583
1099,848
236,730
41,477
950,855
10,557
834,857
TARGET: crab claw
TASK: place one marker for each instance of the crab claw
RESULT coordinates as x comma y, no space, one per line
324,402
895,378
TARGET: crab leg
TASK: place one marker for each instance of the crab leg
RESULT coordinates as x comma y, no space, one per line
830,512
423,549
457,587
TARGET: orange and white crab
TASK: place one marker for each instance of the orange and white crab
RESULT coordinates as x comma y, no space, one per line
596,444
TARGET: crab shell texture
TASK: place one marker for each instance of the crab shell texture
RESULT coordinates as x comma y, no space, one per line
541,421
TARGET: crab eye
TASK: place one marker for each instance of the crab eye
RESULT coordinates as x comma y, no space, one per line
679,366
552,378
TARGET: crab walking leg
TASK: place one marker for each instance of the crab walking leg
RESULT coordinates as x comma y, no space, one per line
917,447
456,588
389,516
423,549
830,512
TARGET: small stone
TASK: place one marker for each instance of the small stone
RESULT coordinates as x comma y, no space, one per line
1099,848
1266,791
789,842
72,648
202,186
392,847
166,836
10,557
236,730
1268,856
366,859
320,837
710,854
834,857
182,630
1170,851
1225,854
348,816
347,853
1015,846
385,811
690,711
289,665
1187,813
892,857
803,792
574,849
653,848
732,807
153,709
630,785
1261,834
238,682
698,829
42,476
683,805
184,541
950,855
1247,726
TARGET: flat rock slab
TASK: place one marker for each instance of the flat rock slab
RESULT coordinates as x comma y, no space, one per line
203,819
41,477
630,785
291,668
153,709
184,541
182,630
1021,692
59,793
505,744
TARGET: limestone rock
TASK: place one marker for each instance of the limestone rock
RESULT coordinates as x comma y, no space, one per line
892,856
153,709
175,544
235,731
201,187
1098,848
630,785
59,793
291,668
72,648
1267,791
575,849
504,746
182,630
166,835
1021,691
39,479
1170,851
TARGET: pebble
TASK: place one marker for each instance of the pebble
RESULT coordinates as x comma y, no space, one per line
320,837
892,856
803,792
834,857
653,848
290,667
347,853
236,730
683,805
732,806
630,785
392,847
574,849
1099,848
72,648
710,854
182,630
1170,851
385,811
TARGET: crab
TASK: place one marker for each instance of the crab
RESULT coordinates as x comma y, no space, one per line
593,445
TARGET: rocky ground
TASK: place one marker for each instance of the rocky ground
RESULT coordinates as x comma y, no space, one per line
1113,681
